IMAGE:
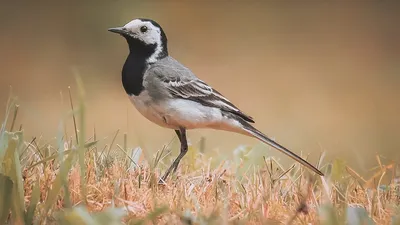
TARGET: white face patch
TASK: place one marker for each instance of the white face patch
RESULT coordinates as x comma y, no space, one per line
146,32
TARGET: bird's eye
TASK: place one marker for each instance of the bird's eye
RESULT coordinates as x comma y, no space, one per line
143,29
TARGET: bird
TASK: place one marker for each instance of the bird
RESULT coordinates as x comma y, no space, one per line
170,95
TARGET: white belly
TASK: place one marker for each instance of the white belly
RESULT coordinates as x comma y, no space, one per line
181,113
146,107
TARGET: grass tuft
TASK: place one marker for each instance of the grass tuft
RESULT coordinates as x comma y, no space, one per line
82,182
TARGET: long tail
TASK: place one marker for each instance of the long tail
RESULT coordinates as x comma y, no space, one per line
262,137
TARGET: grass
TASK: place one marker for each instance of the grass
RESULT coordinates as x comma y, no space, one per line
79,181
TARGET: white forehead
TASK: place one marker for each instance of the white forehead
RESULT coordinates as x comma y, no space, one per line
136,24
152,36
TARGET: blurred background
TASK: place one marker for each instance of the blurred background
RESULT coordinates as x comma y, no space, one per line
316,76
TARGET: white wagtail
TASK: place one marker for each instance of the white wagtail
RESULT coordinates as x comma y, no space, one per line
170,95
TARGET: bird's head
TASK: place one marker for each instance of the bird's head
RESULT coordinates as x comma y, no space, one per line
146,37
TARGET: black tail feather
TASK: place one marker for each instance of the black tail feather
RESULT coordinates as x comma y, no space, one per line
262,137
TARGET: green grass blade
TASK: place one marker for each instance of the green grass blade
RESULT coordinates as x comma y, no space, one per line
57,184
67,195
6,186
12,168
20,203
73,116
16,107
82,132
3,133
3,149
91,144
33,203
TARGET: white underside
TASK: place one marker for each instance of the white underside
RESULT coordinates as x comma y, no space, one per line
183,113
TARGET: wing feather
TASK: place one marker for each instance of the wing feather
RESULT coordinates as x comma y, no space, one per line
197,90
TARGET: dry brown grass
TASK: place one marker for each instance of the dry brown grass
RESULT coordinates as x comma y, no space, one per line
262,195
81,182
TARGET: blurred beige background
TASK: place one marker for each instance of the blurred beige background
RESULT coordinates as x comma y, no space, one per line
315,75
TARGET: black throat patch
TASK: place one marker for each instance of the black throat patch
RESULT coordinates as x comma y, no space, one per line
135,65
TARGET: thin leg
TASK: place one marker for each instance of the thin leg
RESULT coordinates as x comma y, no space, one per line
178,133
184,148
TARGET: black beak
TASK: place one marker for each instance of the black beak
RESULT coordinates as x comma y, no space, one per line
118,30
